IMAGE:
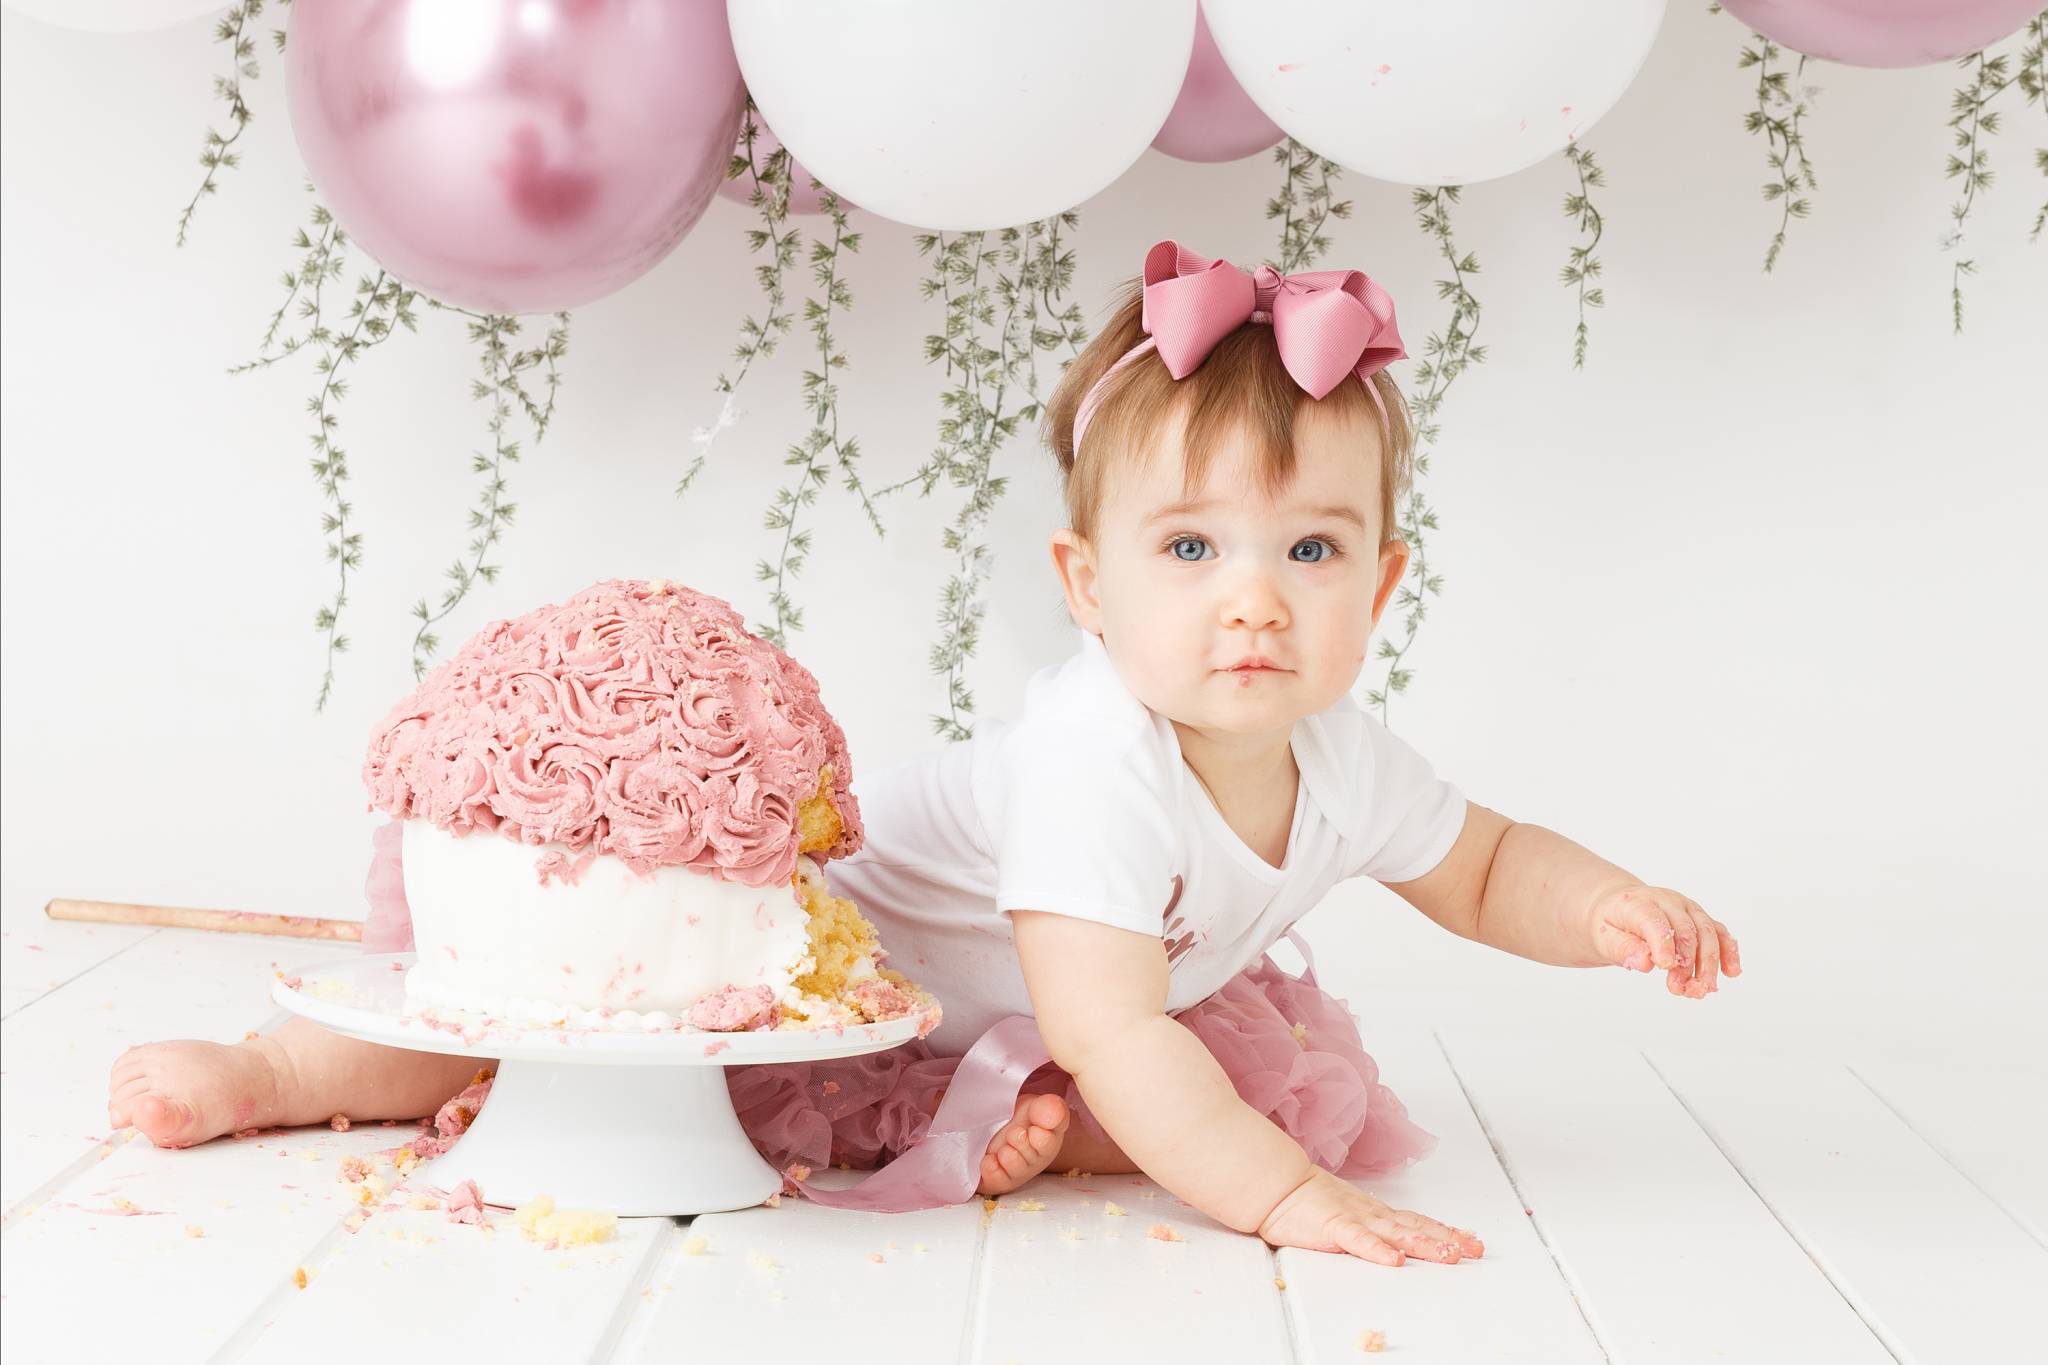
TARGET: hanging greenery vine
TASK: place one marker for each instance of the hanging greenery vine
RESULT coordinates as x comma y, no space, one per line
379,307
502,366
1781,102
1584,266
2033,79
769,196
1446,355
218,152
1303,206
1971,121
379,304
822,446
1002,301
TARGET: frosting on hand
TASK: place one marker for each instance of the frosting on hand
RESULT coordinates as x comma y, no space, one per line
638,718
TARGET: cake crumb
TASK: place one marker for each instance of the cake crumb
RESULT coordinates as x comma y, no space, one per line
1372,1343
1070,1234
990,1205
1280,1284
194,1230
1031,1206
466,1205
1112,1209
540,1220
876,1257
763,1261
300,1277
339,1123
354,1168
1163,1232
696,1246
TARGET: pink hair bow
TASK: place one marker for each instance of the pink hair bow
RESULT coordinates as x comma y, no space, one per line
1327,323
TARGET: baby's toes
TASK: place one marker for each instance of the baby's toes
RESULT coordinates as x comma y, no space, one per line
1047,1119
130,1064
121,1099
164,1121
1017,1156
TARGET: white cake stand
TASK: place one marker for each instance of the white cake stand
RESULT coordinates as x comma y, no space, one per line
627,1122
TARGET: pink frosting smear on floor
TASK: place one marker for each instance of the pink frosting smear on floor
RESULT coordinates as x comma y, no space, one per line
639,718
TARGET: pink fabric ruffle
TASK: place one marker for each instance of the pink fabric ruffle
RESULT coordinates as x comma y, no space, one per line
1321,1087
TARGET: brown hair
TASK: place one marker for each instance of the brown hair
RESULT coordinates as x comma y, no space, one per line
1240,386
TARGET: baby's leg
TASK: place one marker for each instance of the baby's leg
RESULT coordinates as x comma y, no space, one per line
185,1092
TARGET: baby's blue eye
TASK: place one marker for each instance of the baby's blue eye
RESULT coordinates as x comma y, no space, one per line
1181,543
1317,559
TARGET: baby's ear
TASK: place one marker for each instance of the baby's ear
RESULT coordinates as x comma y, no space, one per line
1393,568
1073,559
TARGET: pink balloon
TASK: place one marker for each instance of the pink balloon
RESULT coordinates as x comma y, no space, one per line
1884,32
514,156
802,198
1214,120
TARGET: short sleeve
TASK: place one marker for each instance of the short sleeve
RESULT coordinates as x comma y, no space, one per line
1408,816
1085,828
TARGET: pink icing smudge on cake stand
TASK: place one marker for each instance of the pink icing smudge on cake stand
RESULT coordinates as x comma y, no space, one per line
632,1123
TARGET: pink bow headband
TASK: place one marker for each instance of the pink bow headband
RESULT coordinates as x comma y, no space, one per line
1327,323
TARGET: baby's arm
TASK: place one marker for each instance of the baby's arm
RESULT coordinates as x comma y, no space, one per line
1099,994
1532,892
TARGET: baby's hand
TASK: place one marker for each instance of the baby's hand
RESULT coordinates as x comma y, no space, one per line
1324,1213
1642,927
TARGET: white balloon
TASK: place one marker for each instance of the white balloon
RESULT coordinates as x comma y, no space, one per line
1434,92
965,114
123,16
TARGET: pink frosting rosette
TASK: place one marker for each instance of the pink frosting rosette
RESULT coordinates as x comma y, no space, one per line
639,718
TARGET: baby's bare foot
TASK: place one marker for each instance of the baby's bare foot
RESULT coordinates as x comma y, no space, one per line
1025,1146
185,1092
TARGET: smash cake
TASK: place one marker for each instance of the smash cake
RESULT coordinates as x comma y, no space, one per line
616,813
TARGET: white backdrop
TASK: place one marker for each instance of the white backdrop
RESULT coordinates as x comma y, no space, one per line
1750,606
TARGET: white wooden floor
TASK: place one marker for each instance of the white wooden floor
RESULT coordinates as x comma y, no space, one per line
1668,1205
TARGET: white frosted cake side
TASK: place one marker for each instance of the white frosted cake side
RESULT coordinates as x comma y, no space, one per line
493,939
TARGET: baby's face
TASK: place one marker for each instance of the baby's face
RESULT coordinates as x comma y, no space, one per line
1180,594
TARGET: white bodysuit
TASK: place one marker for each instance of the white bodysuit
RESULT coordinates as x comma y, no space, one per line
1084,806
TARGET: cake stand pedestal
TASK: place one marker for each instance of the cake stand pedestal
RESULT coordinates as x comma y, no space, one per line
633,1123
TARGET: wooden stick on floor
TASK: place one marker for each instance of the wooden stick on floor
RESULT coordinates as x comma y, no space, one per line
221,921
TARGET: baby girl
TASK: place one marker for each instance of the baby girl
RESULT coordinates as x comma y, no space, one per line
1091,889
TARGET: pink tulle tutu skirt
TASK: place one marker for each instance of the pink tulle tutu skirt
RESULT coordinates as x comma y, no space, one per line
1291,1050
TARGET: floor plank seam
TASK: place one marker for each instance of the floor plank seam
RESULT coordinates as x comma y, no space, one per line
26,1206
635,1304
1285,1305
89,968
267,1309
1507,1170
1771,1209
2022,1223
977,1290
